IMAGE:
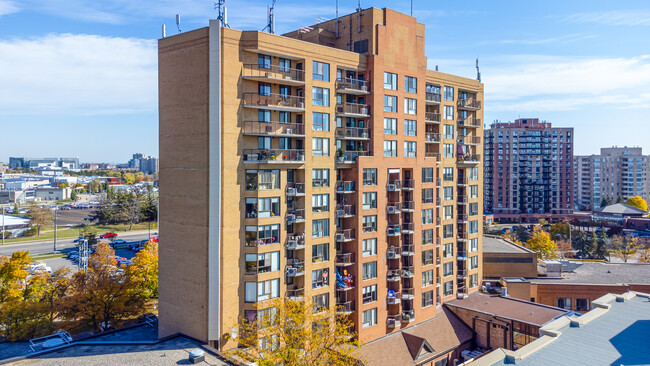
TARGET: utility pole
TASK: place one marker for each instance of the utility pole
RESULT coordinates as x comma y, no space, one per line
55,226
2,207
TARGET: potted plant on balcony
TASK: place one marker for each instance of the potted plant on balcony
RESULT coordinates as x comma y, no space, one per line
406,317
340,155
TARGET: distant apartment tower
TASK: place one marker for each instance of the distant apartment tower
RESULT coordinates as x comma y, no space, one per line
528,170
144,163
617,173
338,170
36,163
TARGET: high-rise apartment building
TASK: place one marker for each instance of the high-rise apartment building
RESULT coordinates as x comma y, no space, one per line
528,170
326,164
144,163
617,173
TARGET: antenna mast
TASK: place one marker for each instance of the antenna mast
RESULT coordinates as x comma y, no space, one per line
337,19
271,24
358,18
478,72
222,12
178,22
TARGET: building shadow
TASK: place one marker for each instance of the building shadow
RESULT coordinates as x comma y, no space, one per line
633,343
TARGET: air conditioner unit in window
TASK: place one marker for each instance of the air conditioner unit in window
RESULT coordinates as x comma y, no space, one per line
392,209
291,218
292,191
392,254
391,231
292,244
292,271
392,187
340,237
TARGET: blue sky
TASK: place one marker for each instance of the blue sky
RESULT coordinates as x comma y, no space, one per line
79,78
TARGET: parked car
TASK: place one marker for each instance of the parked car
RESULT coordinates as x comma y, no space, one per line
136,247
154,239
108,236
119,241
73,254
78,240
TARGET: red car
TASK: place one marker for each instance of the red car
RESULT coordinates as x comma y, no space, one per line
108,236
154,239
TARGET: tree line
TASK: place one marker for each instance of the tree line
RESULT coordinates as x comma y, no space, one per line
100,298
127,208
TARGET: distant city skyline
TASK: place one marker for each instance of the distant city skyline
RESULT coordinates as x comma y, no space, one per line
82,76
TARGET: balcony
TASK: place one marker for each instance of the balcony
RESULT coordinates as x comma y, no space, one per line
295,189
432,117
408,206
462,273
470,140
407,271
346,307
274,74
257,241
408,250
344,259
462,181
408,184
438,221
369,228
344,211
469,104
273,128
393,230
295,216
408,293
266,156
470,122
296,268
344,235
276,102
436,155
393,298
432,137
393,208
407,228
394,186
296,242
353,110
432,98
353,133
469,159
393,321
462,218
296,294
345,186
393,275
392,252
461,200
349,157
352,86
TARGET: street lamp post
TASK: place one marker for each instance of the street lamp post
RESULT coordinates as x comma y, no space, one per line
2,207
55,226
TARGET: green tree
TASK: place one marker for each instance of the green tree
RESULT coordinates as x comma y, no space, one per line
128,178
73,195
16,210
601,247
620,199
606,201
638,202
94,186
144,270
40,217
559,230
540,242
624,247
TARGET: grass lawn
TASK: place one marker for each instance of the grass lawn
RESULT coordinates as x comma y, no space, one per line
68,233
47,256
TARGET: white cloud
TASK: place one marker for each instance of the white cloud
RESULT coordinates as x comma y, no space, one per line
78,75
614,17
538,41
8,7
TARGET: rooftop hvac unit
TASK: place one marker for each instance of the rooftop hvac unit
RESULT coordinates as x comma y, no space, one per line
291,271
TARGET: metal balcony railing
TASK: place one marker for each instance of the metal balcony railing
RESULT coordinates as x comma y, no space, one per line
428,154
393,252
353,109
353,84
295,216
432,137
343,211
408,293
393,298
345,186
469,122
296,242
274,100
408,206
432,117
393,208
345,307
393,230
273,72
469,103
296,293
349,157
394,275
296,268
295,189
394,186
257,156
408,227
469,159
408,184
353,133
344,259
273,128
408,250
434,98
344,235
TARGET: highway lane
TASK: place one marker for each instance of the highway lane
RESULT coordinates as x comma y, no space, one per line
47,246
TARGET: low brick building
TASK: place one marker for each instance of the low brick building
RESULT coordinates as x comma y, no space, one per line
502,257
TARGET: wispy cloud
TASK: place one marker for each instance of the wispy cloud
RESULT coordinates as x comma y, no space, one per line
8,7
614,17
78,75
569,38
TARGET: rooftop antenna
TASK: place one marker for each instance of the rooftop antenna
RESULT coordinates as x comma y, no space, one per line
222,12
178,22
411,7
164,30
271,24
478,72
359,16
337,19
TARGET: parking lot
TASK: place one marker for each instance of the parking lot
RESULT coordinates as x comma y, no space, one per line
56,263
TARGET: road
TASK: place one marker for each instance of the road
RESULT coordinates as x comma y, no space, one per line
47,246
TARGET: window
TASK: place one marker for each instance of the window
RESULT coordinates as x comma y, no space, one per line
320,203
320,96
473,244
285,143
410,148
264,317
262,235
264,89
320,121
369,318
285,65
264,61
473,227
472,173
427,216
320,228
369,176
320,278
448,213
448,150
473,262
447,269
427,175
264,115
473,280
390,103
390,148
449,112
449,132
473,209
582,305
369,247
262,263
449,93
369,294
320,253
448,288
410,106
369,224
410,127
427,298
320,146
390,81
285,90
321,71
427,236
410,84
262,179
369,270
269,343
447,250
473,191
321,302
427,257
361,46
427,195
564,303
268,207
261,291
320,177
448,174
390,126
427,278
369,200
448,193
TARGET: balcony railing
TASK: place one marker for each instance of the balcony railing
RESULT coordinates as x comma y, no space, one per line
353,109
393,321
408,293
273,128
344,259
350,157
274,101
432,117
408,227
408,250
257,156
393,252
469,122
393,275
295,189
344,235
462,273
433,98
393,298
355,86
408,271
394,186
258,242
286,74
393,230
469,159
346,307
356,133
345,186
432,137
408,206
296,242
393,208
470,140
462,181
296,268
432,155
461,200
343,211
408,184
469,103
462,218
296,293
295,216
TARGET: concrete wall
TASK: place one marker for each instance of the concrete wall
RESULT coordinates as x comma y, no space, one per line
496,265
